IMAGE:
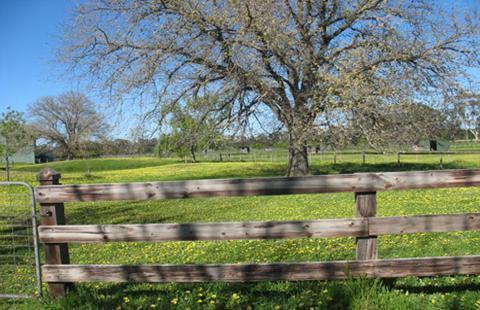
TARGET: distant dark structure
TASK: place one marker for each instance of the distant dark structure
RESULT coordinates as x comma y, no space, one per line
433,145
44,157
314,149
244,149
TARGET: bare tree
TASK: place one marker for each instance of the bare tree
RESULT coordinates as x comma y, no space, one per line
299,58
468,111
69,120
401,126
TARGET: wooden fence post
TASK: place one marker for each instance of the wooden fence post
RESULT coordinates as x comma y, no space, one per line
366,206
54,214
398,158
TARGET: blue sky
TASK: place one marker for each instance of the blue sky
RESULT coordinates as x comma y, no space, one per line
29,31
28,35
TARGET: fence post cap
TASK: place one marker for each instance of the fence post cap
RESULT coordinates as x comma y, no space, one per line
48,174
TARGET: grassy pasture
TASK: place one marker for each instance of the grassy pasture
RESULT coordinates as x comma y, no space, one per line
409,293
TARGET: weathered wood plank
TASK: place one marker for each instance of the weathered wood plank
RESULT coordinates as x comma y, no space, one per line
423,223
360,182
203,231
355,227
385,268
54,214
366,207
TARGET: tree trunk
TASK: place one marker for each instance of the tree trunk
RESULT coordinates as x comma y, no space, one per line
192,152
7,168
297,159
69,154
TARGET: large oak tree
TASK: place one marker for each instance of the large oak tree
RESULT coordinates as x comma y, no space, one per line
68,121
300,58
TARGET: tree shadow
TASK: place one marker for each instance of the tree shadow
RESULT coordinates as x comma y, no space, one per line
343,294
444,288
349,167
109,212
306,294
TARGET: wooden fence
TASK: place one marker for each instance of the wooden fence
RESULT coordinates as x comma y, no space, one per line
56,235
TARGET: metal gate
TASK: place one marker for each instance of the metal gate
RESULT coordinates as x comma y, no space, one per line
19,254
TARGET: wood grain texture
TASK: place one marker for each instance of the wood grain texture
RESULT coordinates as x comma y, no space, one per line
355,227
386,268
424,223
366,207
55,253
203,231
359,182
54,214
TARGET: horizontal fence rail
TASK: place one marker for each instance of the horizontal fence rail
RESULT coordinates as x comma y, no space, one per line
365,227
204,231
355,227
458,152
384,268
359,182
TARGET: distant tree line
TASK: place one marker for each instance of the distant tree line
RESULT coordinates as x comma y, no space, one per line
388,128
69,126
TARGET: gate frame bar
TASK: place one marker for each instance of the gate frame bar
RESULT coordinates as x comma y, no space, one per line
35,239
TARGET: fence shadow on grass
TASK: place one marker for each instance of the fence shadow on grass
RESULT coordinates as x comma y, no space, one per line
111,212
326,294
258,294
443,288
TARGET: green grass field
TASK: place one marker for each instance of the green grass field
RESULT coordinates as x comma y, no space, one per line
410,293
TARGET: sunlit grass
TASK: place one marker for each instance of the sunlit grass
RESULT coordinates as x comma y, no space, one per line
410,293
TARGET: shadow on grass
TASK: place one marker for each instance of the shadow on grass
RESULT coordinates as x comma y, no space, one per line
115,213
344,168
110,164
331,295
354,293
444,288
108,212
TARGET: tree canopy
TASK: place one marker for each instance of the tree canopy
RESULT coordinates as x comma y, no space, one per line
467,108
302,59
68,121
14,136
193,127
